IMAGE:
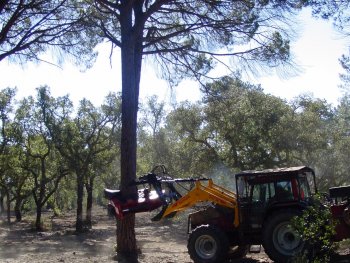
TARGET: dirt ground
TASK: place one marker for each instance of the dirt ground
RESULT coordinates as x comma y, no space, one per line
159,242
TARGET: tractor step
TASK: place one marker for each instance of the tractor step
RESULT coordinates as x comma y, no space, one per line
255,249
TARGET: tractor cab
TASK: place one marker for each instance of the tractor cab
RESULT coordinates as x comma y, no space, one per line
260,193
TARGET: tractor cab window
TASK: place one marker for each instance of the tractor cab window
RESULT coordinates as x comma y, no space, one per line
242,188
304,188
283,190
261,193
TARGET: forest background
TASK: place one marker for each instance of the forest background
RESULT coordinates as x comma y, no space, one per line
48,145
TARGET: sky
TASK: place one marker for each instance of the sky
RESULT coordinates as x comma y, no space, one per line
316,50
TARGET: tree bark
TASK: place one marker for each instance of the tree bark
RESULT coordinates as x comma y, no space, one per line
2,206
79,225
131,55
126,241
8,203
42,189
38,225
89,190
18,213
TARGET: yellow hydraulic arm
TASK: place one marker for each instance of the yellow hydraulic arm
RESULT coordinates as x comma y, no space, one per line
205,193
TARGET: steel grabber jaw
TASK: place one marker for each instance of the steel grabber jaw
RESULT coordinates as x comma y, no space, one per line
158,191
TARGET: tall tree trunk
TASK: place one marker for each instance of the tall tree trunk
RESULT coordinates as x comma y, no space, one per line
130,56
39,199
18,213
2,206
38,225
125,229
79,225
8,210
89,190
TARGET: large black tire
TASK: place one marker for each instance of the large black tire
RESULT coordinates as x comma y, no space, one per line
280,240
208,244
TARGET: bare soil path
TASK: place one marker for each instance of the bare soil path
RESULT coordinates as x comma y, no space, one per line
159,242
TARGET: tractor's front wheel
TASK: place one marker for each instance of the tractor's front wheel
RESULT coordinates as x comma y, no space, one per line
280,240
208,244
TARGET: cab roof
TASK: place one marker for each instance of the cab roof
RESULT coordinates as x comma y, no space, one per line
277,171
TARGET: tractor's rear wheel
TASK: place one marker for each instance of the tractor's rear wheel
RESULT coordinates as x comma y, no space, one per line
208,244
280,240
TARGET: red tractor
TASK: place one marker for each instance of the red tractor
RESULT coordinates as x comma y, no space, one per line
258,212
